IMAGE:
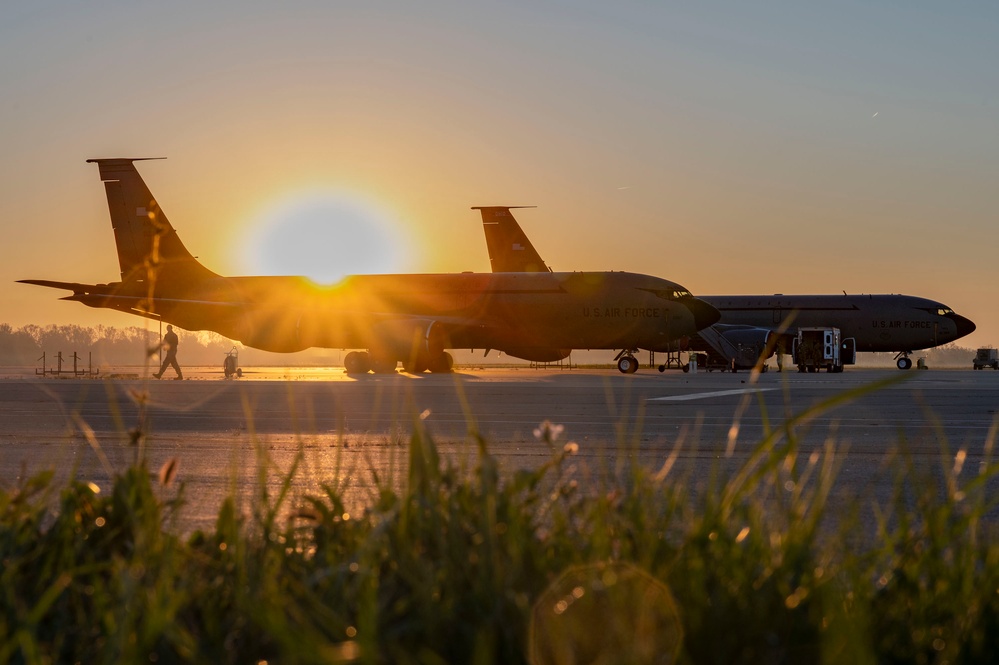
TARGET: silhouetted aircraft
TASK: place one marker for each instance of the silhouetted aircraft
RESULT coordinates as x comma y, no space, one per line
751,328
409,318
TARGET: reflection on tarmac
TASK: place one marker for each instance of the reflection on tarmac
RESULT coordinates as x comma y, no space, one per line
347,428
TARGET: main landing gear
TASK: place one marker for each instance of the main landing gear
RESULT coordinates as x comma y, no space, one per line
442,364
902,360
626,362
362,362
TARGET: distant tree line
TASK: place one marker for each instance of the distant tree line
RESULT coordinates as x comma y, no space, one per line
105,344
110,346
122,347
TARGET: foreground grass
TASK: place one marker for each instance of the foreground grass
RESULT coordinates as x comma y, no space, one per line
460,566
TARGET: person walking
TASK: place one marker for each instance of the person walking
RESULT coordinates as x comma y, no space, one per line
169,344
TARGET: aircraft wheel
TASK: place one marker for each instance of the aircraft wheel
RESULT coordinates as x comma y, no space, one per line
357,362
627,365
443,364
416,365
383,365
413,368
686,368
662,368
904,363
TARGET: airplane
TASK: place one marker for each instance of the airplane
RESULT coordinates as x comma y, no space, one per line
412,318
752,328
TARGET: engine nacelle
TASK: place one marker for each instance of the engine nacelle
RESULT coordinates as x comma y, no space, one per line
270,330
752,344
756,338
407,338
537,354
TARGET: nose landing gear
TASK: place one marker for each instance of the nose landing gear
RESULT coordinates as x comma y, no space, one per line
902,360
626,362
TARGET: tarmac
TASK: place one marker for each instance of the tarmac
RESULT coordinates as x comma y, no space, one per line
227,435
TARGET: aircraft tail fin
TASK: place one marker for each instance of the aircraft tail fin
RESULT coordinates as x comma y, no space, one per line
509,248
147,243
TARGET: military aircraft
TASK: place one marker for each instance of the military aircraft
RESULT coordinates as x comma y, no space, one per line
755,327
409,318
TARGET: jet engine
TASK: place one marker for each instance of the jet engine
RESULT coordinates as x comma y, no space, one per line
269,330
419,343
537,354
750,344
748,337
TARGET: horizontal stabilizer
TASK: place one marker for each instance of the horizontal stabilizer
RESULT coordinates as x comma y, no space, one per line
75,287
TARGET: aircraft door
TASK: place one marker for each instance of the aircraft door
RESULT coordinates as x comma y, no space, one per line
849,351
778,315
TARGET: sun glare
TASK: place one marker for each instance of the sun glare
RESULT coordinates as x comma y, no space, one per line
325,236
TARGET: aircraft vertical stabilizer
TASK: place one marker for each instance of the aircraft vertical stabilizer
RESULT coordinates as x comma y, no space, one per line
142,232
508,245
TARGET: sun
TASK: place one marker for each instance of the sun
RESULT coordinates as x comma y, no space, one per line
325,236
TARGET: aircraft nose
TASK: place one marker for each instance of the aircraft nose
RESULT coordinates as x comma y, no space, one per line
704,314
965,326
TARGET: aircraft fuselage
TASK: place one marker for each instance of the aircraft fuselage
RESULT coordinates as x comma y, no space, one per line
503,311
885,322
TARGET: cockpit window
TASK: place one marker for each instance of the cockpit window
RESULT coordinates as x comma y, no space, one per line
940,311
674,294
670,294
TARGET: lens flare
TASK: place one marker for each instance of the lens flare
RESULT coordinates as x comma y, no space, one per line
325,236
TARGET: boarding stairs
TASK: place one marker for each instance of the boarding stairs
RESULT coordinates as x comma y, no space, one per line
720,349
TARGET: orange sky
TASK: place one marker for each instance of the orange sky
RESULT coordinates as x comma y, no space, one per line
733,150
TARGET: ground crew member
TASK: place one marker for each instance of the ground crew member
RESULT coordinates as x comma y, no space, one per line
169,344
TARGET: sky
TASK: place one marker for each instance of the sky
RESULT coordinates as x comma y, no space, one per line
766,147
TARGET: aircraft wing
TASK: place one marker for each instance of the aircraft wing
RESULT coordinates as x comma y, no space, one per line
437,331
433,334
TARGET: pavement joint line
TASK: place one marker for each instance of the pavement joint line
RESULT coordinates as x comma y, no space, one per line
719,393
